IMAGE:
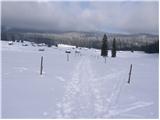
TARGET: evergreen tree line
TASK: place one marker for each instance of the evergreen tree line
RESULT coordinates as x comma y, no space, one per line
49,41
151,48
148,48
104,48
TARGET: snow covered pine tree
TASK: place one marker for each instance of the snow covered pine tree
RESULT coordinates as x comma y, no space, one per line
114,48
104,48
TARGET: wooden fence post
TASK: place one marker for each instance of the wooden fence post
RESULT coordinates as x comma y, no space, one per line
67,52
41,68
130,72
67,56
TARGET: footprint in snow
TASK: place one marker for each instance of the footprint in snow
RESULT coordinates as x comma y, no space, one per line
60,78
20,69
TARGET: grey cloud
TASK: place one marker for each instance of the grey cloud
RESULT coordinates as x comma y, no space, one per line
129,17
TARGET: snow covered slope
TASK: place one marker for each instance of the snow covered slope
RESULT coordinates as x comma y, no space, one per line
83,87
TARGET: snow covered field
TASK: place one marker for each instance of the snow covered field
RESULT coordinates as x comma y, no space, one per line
83,87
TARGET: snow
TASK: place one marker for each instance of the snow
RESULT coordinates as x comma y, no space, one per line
83,87
66,46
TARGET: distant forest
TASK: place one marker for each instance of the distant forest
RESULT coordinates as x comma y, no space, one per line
147,43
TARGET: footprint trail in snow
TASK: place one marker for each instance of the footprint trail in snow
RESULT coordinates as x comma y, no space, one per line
83,96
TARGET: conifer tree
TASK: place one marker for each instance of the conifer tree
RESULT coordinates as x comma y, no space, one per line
104,48
114,48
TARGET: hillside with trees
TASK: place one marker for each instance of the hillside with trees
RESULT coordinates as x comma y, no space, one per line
133,42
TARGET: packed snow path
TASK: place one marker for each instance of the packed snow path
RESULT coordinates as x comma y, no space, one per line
84,98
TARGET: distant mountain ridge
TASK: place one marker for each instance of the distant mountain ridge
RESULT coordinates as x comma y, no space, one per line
91,33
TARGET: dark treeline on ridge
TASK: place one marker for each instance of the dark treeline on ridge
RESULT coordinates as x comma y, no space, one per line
135,42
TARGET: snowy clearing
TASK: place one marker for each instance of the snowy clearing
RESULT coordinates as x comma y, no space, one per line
83,87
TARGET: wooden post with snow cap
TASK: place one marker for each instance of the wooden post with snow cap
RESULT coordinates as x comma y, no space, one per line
41,67
67,57
67,52
130,72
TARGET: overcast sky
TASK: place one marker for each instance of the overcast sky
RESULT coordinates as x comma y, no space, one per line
123,17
